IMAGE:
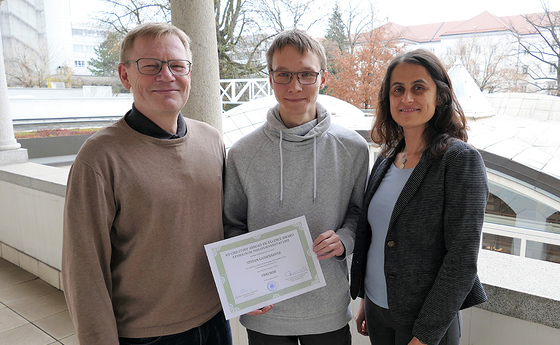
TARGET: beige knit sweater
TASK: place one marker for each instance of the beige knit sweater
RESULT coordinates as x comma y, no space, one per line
138,213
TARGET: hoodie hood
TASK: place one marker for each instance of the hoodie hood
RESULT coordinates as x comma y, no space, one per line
300,134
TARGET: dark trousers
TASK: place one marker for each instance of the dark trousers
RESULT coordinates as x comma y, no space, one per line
383,330
215,331
340,337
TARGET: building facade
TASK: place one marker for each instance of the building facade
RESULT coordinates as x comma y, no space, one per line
40,40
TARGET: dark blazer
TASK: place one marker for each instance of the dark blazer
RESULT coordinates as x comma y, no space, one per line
432,244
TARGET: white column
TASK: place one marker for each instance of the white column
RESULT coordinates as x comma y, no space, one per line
196,18
10,151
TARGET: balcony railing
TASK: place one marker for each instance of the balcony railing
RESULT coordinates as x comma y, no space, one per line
237,91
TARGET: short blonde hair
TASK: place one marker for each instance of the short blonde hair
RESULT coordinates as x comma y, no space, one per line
301,41
153,30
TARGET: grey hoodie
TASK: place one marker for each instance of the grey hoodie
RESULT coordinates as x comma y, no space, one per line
274,174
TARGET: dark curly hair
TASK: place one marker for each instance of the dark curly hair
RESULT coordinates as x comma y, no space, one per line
448,122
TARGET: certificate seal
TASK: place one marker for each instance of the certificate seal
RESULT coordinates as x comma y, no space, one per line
272,286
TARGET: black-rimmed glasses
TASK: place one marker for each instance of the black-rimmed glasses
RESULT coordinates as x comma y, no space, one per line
149,66
304,78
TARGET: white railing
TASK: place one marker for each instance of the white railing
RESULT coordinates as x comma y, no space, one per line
521,234
237,91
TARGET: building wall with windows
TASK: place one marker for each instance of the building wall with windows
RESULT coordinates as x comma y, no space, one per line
85,39
40,34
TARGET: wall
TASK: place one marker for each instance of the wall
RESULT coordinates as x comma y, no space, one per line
31,210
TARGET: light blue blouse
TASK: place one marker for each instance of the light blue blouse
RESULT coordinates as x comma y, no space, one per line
379,215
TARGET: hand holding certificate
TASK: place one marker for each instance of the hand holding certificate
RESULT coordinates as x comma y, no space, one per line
264,266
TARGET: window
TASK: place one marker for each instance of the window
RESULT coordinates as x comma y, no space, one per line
498,211
518,224
502,244
79,64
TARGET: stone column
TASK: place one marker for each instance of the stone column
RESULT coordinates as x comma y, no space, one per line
10,151
196,18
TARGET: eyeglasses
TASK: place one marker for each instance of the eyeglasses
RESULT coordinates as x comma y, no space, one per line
304,78
149,66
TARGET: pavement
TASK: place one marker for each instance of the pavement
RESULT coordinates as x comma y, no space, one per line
32,312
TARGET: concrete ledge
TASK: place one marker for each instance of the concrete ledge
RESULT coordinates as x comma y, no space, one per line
522,306
522,288
36,176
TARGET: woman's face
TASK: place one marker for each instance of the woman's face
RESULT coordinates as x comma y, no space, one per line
412,96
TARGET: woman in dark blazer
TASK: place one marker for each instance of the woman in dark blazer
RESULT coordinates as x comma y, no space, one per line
417,241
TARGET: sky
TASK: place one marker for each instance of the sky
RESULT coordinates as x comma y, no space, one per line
403,12
414,12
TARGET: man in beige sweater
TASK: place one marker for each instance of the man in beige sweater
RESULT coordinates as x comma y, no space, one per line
144,195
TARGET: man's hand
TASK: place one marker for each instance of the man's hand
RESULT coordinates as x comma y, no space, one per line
327,245
261,311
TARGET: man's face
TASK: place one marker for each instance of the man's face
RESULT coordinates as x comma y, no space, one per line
297,101
164,94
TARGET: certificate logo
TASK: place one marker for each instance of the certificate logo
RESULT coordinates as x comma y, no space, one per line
272,286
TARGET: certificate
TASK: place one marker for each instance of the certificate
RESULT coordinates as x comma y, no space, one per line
264,266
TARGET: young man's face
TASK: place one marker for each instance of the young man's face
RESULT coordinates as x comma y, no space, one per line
163,94
297,101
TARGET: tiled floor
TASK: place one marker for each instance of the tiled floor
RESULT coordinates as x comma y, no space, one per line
32,312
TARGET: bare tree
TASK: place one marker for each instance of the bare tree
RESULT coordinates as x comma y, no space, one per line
542,44
27,67
276,16
357,22
488,61
238,49
120,15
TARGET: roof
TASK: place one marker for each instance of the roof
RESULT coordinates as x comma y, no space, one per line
522,139
484,22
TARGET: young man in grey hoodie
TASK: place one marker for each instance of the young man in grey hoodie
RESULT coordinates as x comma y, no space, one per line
299,163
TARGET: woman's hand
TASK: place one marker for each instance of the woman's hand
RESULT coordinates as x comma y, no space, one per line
261,311
415,341
361,319
327,245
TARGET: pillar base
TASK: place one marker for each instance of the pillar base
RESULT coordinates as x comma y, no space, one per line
17,156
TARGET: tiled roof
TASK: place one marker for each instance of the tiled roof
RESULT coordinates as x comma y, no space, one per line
421,33
484,22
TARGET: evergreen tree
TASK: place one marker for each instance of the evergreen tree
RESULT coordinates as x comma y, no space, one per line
107,61
336,32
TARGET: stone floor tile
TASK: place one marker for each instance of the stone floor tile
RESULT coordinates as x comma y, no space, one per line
29,289
26,335
10,320
38,308
59,325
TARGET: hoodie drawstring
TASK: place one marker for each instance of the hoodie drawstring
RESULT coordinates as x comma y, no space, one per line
281,171
314,169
